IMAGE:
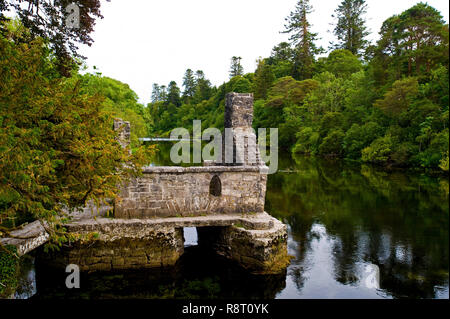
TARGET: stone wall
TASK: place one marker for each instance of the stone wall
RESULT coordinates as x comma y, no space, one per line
193,191
125,247
255,241
238,110
220,188
260,251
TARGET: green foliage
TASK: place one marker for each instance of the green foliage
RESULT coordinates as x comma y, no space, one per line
236,68
329,122
9,266
45,19
399,98
379,150
281,60
359,137
189,84
203,89
307,140
264,78
119,100
240,84
303,40
173,94
412,44
342,63
332,143
58,146
330,96
444,162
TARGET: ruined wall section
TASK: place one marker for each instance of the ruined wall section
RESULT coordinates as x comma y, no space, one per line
124,129
193,191
239,118
220,188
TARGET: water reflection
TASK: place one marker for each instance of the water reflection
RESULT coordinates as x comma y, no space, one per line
346,219
26,279
312,275
197,275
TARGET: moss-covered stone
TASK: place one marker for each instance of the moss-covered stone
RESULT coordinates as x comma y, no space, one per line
158,249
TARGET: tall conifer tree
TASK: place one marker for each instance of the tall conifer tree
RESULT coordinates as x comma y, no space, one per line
303,40
350,29
236,67
189,84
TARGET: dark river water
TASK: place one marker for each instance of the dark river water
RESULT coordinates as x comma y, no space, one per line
354,232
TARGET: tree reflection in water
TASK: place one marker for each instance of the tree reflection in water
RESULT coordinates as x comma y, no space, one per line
345,217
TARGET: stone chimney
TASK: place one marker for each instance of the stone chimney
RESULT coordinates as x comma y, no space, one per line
239,110
240,143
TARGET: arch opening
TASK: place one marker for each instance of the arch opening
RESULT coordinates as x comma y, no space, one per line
215,186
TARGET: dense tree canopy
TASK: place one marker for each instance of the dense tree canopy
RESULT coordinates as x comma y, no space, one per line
412,44
390,108
57,145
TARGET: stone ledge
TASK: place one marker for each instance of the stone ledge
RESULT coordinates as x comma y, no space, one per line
260,221
32,236
264,235
203,169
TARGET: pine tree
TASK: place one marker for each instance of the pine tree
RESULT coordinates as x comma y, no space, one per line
302,39
264,78
202,87
173,95
163,93
412,43
236,67
156,94
199,75
281,52
188,84
350,28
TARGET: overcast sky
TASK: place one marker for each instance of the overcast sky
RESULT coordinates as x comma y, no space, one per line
141,42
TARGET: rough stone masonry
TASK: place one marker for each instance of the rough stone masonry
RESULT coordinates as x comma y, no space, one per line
225,201
179,191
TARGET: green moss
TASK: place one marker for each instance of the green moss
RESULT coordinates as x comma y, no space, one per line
9,268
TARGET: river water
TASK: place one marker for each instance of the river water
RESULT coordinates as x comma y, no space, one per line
354,232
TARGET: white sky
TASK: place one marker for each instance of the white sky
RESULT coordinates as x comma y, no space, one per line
141,42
